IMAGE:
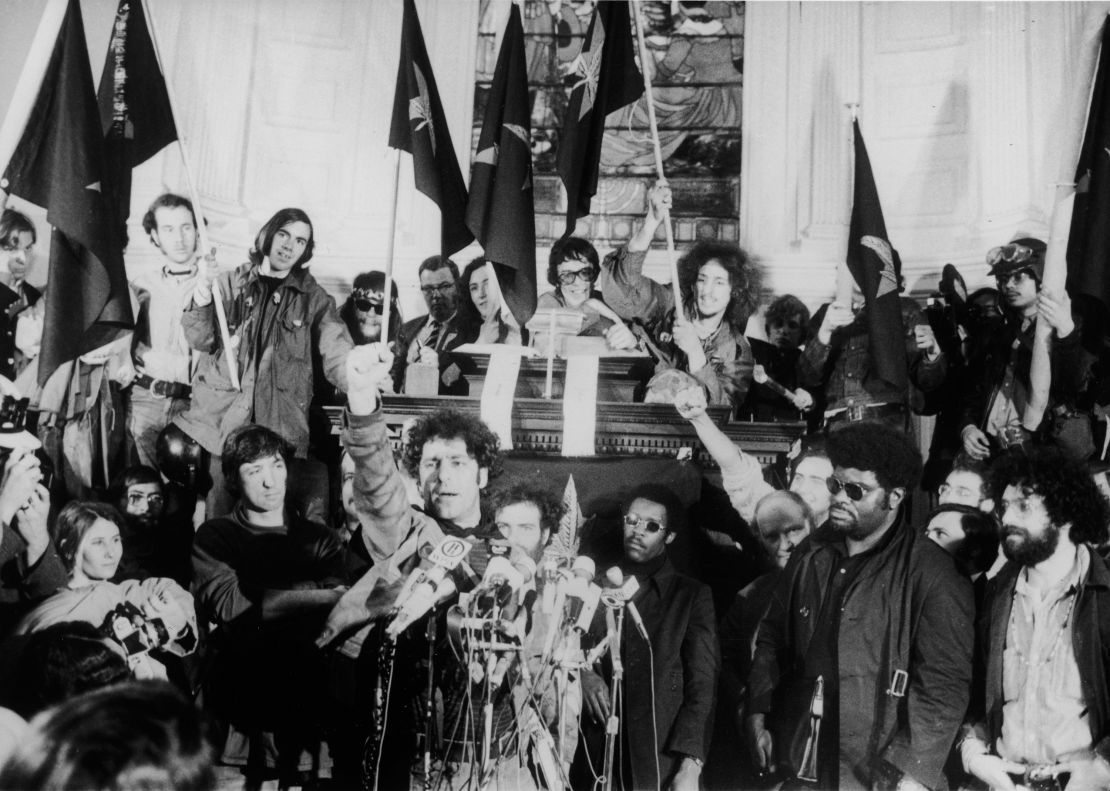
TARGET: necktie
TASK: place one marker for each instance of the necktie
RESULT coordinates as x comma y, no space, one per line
433,336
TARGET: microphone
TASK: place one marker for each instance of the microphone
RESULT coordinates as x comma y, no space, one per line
429,583
424,598
435,564
575,584
620,595
505,576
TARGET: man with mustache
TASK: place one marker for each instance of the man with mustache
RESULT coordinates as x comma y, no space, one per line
1045,708
164,363
994,404
862,667
427,339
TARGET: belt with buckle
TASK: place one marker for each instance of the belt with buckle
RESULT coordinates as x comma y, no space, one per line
163,388
858,412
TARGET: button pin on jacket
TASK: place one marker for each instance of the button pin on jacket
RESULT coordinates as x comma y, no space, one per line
804,612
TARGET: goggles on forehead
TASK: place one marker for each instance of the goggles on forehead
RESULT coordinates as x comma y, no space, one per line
1010,254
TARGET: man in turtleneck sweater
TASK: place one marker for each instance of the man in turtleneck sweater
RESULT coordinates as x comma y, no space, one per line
671,681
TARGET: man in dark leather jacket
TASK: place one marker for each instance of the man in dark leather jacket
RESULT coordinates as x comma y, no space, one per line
863,659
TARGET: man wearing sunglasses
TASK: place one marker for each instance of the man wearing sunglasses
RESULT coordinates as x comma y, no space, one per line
669,691
994,403
862,667
426,339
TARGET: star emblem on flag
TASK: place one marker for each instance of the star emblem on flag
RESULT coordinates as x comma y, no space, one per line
420,107
888,278
587,66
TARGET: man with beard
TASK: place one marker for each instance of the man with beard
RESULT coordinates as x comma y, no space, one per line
1045,708
157,532
862,667
999,365
426,340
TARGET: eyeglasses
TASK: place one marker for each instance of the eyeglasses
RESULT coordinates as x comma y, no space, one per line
635,520
135,498
446,288
587,275
366,306
1010,253
1019,277
854,490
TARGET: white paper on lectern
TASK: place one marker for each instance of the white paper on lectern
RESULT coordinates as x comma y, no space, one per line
580,406
498,392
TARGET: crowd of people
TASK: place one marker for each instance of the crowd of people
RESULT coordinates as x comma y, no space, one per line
195,574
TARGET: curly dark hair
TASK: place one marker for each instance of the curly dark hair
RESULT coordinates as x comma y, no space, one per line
481,443
880,448
534,491
744,274
374,280
785,308
1062,481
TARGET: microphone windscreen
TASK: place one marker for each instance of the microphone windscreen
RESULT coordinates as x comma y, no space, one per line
584,567
614,577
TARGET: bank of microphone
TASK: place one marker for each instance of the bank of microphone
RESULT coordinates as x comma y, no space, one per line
505,575
575,601
429,583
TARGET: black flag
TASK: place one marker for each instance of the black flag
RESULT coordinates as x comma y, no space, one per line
501,212
607,81
872,264
1089,237
419,127
135,112
59,164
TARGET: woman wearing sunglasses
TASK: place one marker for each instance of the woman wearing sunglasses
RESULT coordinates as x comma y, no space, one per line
482,308
573,269
362,312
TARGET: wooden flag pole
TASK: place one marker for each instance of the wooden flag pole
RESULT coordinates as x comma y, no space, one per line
390,246
843,276
1056,265
653,124
29,85
194,195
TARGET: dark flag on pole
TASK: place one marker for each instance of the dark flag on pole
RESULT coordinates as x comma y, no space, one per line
135,112
59,164
871,260
607,80
501,212
419,127
1089,237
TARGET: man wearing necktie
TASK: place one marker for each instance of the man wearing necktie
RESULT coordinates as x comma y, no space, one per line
425,339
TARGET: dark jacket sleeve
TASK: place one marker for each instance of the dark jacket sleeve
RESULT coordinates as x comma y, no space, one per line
940,684
28,583
332,339
219,593
701,661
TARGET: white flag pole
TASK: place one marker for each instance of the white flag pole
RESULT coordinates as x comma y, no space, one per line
650,99
194,195
387,294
